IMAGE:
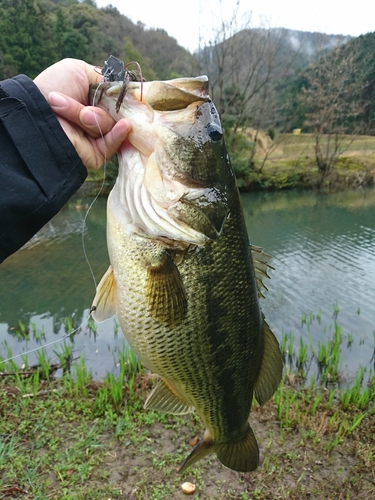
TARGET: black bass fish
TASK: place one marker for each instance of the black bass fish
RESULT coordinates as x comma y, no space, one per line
182,278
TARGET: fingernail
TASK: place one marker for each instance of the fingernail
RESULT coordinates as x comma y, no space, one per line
57,100
88,118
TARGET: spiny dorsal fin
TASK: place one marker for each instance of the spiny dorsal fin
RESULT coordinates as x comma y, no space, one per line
165,291
271,369
104,304
260,261
163,398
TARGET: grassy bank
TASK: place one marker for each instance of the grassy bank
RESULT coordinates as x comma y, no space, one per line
289,161
285,163
73,438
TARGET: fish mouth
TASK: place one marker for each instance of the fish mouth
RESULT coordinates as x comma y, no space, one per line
173,157
171,95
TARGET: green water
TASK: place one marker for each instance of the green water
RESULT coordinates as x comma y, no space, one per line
323,249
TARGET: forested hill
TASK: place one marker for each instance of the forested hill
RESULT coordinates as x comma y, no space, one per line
37,33
266,79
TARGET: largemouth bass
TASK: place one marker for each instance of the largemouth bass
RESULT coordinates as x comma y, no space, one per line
181,277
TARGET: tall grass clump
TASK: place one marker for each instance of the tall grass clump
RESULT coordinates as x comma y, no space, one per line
302,394
117,391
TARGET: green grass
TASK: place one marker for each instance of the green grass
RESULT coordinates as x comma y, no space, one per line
74,438
290,162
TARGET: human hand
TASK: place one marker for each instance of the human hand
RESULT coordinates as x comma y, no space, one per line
93,133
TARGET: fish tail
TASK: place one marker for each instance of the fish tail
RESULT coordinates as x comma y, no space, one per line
242,456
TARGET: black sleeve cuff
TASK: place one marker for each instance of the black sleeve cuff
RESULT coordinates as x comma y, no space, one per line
39,167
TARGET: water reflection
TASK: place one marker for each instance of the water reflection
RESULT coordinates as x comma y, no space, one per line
50,275
324,257
49,280
323,248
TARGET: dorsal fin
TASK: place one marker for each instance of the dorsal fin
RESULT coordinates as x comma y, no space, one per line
271,368
261,266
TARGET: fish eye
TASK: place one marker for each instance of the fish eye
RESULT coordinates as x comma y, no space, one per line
214,132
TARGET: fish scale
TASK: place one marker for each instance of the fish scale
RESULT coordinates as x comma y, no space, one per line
198,338
186,293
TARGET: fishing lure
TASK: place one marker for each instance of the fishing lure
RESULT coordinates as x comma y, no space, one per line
114,70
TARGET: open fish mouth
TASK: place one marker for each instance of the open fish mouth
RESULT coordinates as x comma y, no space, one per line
169,95
171,183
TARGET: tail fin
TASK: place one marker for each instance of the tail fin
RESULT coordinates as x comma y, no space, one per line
242,456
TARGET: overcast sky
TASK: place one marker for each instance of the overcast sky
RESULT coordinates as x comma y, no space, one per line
191,20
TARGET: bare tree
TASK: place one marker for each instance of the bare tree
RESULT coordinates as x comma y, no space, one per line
331,98
246,67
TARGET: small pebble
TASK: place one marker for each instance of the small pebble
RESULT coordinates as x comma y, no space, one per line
188,488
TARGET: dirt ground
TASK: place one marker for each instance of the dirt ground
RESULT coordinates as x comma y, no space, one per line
292,467
57,445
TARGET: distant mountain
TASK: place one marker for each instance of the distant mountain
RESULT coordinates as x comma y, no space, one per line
253,74
352,60
310,43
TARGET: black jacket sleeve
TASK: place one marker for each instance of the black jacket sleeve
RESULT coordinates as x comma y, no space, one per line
39,167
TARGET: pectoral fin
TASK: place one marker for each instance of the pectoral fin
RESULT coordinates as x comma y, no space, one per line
164,399
165,291
104,304
271,369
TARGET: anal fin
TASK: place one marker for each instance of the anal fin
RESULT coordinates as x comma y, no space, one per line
104,303
271,368
164,399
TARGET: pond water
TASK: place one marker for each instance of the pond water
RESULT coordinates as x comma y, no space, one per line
323,249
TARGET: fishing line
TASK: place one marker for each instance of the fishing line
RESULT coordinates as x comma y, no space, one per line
84,226
98,194
45,345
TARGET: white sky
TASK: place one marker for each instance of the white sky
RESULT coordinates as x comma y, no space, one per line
191,20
